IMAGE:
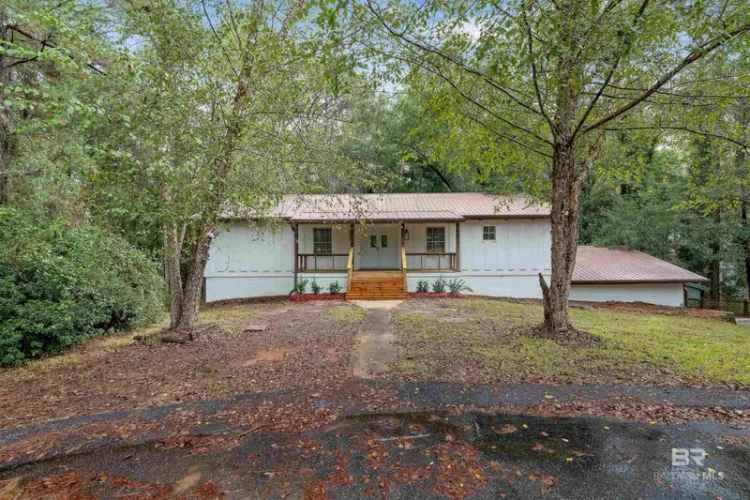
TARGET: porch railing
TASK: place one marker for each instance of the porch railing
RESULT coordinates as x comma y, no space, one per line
432,261
309,262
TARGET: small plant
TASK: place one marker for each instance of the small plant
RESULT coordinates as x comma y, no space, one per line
301,286
315,287
334,287
423,286
457,286
439,286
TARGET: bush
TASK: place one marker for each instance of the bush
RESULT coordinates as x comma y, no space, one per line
315,287
439,286
334,287
456,286
60,285
423,286
301,286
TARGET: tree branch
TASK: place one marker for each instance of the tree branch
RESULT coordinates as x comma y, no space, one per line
628,44
682,128
450,59
694,56
534,77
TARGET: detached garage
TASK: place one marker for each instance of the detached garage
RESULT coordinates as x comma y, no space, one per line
622,275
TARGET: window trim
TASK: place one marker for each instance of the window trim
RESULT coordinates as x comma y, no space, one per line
317,243
428,240
494,234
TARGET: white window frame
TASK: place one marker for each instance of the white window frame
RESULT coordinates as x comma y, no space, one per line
494,234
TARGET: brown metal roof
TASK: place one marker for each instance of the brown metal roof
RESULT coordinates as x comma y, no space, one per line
406,206
619,265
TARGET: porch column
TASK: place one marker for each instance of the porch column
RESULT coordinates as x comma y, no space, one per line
295,228
458,247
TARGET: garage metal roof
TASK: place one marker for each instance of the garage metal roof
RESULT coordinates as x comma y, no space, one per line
619,265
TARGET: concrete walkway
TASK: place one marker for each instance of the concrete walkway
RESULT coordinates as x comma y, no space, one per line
375,342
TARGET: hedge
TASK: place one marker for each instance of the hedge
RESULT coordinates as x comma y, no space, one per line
60,285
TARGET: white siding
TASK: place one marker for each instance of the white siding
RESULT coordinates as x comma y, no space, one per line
663,294
245,261
508,266
520,246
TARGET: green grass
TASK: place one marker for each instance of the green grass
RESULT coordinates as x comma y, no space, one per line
642,344
349,314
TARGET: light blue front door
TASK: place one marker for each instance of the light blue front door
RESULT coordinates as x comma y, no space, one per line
378,247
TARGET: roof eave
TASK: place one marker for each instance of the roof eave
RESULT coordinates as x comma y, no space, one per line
635,282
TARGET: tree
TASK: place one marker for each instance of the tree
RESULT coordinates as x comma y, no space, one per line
549,79
210,109
47,53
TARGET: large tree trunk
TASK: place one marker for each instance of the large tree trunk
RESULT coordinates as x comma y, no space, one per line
6,130
192,287
567,182
173,273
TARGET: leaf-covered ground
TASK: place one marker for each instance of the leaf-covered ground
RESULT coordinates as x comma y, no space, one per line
305,347
487,341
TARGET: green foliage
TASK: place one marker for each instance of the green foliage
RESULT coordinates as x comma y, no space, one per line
61,285
315,287
301,286
423,286
457,285
439,285
334,287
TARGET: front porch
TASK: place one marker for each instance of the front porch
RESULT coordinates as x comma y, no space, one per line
375,258
427,247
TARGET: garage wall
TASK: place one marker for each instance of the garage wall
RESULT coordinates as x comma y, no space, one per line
664,294
246,261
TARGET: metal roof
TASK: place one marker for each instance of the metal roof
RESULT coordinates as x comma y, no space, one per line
406,206
620,265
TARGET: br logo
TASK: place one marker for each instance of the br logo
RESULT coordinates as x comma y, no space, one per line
684,456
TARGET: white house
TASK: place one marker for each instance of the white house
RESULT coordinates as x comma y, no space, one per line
381,245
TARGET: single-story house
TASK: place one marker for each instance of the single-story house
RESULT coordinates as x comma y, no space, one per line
382,245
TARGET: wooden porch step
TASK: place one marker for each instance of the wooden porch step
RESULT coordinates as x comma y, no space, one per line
368,296
376,285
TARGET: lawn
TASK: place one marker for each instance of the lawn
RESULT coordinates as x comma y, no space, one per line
483,340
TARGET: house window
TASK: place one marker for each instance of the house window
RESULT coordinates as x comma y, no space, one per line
436,239
383,241
488,233
322,241
373,241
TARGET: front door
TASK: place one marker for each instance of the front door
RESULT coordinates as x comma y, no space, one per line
378,247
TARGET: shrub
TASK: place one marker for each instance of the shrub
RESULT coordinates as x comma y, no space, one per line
315,287
423,286
439,286
457,285
60,285
301,286
334,287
